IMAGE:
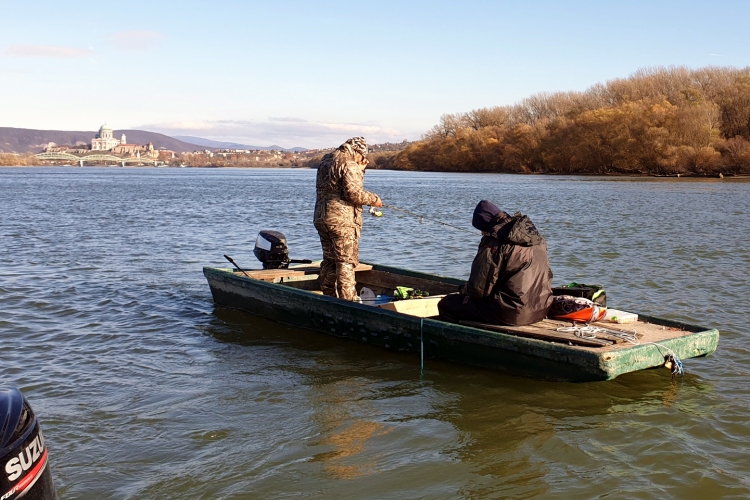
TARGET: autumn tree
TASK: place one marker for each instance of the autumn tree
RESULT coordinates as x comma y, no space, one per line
660,120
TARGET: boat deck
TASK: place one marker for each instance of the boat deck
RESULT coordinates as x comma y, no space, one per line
606,336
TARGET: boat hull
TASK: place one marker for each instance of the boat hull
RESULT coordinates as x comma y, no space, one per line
438,339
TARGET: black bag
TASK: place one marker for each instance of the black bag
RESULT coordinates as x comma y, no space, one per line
594,293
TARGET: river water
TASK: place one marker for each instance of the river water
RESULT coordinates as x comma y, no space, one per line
145,389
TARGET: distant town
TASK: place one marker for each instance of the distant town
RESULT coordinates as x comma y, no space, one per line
107,147
106,141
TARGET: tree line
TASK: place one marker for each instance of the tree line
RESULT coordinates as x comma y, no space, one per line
15,160
658,121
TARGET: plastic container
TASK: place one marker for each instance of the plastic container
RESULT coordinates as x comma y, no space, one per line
617,316
369,298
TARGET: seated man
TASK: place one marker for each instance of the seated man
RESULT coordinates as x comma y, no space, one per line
511,281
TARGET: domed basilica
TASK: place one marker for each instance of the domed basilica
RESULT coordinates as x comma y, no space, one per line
105,141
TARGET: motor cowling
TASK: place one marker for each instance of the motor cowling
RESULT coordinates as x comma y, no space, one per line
271,249
23,452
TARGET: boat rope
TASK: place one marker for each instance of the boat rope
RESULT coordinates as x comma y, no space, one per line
671,360
421,348
423,218
590,331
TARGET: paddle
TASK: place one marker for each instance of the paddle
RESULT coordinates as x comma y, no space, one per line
235,265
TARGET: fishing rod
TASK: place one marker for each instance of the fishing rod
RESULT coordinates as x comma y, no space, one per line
424,217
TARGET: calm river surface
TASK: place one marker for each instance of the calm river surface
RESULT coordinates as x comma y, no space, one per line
144,389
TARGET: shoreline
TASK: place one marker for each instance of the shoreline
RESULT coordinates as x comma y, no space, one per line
553,174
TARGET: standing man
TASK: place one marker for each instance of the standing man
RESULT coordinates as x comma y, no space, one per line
338,215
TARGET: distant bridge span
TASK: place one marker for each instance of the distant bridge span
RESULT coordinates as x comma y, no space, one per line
93,158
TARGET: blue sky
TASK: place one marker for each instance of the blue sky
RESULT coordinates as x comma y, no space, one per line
312,74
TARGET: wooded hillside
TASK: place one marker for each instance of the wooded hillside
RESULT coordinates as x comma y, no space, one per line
660,121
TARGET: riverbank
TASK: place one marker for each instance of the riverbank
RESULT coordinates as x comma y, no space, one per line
727,177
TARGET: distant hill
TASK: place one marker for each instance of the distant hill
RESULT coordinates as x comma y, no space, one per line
231,145
24,140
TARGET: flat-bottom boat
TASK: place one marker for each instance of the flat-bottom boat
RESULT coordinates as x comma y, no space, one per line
548,349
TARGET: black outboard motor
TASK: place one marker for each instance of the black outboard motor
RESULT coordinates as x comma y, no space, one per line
272,251
23,454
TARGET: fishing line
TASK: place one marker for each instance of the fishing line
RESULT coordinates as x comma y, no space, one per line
424,217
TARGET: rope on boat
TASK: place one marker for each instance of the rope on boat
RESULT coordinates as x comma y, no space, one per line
671,361
422,218
590,331
421,347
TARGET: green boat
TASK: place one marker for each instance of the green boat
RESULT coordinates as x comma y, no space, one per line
547,349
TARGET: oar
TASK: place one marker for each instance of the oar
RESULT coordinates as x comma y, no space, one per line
235,265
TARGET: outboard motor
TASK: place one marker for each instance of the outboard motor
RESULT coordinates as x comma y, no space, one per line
272,251
23,454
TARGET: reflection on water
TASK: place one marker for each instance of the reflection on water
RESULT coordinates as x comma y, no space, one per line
344,429
145,389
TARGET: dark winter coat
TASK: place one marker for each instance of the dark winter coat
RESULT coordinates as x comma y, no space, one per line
511,271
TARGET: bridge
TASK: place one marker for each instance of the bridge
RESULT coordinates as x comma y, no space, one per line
98,158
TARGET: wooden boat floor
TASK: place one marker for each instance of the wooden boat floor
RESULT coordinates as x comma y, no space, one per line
547,329
380,282
292,272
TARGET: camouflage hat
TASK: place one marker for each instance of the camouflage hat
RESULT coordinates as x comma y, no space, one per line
358,145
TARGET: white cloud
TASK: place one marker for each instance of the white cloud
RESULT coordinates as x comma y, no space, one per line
286,132
47,51
136,40
183,127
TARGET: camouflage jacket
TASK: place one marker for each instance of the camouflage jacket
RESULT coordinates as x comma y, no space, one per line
340,191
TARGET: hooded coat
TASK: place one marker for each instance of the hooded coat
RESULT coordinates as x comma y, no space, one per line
511,279
340,191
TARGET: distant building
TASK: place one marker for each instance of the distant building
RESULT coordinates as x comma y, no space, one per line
105,140
136,150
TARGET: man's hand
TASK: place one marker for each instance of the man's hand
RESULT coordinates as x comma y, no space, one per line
378,203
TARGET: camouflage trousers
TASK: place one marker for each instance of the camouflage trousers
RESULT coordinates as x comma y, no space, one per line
340,257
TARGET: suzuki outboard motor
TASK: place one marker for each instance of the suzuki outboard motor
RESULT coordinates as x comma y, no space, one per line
271,250
23,454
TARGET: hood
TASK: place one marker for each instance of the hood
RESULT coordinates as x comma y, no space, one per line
484,215
518,230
